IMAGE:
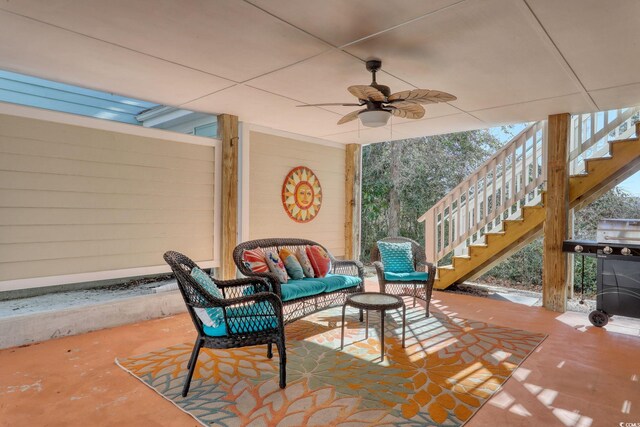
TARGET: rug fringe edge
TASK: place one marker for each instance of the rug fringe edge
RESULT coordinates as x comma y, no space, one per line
117,362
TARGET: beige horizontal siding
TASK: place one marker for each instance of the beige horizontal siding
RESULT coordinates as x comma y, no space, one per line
84,137
106,200
30,216
114,158
59,267
271,158
79,200
94,232
100,169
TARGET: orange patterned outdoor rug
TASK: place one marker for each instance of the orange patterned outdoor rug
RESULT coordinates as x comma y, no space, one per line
449,368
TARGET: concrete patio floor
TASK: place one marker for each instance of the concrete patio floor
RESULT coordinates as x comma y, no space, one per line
579,376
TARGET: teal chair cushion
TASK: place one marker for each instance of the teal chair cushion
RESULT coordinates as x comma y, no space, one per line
406,277
396,257
213,317
300,288
254,318
335,282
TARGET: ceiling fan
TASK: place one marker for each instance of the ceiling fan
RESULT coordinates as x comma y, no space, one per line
381,104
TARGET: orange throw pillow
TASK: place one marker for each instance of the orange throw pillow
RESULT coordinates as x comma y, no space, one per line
320,260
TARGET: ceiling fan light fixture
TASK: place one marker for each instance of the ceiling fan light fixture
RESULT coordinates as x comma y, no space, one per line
374,118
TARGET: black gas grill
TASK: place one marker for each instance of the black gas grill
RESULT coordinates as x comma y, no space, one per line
618,280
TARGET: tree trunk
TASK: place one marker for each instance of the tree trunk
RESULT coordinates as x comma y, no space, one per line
393,216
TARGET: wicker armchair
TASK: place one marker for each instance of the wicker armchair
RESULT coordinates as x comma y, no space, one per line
421,289
252,316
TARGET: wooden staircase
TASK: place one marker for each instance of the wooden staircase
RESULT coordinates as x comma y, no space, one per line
601,174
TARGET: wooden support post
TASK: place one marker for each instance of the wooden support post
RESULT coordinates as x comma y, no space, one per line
554,262
430,232
353,182
228,133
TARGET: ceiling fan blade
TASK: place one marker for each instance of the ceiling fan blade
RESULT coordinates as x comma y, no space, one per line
366,93
351,116
346,104
422,96
407,110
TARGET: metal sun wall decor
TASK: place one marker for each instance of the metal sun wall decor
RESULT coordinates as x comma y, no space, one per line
301,194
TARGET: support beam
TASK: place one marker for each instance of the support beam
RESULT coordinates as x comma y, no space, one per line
352,187
554,262
228,134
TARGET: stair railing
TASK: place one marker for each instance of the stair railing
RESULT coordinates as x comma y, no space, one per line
515,176
487,196
591,132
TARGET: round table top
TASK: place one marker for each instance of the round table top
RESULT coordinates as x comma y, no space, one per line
374,300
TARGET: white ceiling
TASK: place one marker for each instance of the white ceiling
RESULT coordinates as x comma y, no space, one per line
506,60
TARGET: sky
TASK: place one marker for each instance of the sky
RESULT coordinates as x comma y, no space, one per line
631,185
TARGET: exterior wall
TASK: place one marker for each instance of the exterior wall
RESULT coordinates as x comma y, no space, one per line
75,199
271,158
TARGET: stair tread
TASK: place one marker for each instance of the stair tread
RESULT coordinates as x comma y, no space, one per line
445,267
615,141
461,257
495,233
593,159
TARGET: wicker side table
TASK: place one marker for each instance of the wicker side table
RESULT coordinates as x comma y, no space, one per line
374,301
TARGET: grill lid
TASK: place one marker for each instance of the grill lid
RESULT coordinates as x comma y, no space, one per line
621,231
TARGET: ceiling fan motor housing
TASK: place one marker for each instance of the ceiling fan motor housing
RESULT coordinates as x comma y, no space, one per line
374,65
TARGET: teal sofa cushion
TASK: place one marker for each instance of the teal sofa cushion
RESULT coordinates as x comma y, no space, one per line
336,282
406,277
396,257
257,317
301,288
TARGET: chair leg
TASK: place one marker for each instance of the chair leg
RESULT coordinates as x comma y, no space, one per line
415,292
192,365
269,351
191,358
283,362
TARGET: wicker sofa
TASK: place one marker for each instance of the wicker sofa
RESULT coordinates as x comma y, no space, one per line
305,296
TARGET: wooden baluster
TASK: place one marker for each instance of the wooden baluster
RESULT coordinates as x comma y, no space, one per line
503,194
458,208
579,136
473,203
534,156
467,224
494,192
442,210
514,186
483,204
545,151
523,189
450,234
